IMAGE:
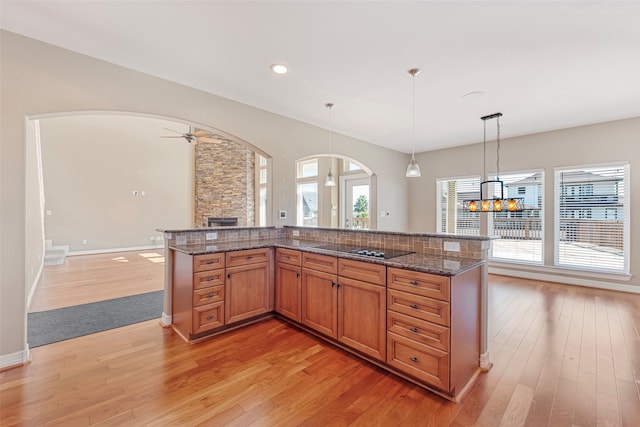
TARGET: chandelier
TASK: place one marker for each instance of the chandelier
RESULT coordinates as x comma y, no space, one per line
494,204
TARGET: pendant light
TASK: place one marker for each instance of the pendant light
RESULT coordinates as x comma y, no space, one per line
495,204
330,180
413,170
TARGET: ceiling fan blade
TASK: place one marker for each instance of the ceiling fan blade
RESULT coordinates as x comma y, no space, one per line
177,136
200,133
174,131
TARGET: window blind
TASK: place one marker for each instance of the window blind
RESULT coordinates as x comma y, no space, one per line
521,233
592,215
451,216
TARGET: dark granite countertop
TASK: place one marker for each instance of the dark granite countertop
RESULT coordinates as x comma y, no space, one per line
434,264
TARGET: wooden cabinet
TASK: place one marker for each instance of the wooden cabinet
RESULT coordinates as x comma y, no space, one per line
288,283
319,293
342,307
249,285
433,331
198,293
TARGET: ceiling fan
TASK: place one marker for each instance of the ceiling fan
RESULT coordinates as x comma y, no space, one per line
196,136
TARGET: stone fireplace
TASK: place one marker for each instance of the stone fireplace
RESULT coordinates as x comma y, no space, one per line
224,183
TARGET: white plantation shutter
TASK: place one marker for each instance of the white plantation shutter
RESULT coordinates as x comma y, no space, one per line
592,217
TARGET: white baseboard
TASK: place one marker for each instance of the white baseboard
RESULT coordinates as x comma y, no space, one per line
106,251
569,280
18,358
166,319
485,361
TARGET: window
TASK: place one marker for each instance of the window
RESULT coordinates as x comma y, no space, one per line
307,168
592,218
348,166
451,216
307,206
521,233
262,200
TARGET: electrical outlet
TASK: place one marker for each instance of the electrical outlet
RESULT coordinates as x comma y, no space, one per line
452,246
84,241
296,233
212,236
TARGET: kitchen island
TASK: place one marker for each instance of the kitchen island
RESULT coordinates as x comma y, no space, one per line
417,313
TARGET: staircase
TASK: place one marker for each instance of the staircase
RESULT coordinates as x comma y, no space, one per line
55,255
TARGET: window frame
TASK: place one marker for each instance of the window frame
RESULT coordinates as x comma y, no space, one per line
586,212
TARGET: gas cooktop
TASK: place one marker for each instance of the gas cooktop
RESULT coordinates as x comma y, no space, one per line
366,252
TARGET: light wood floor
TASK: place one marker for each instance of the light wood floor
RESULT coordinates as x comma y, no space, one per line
90,278
563,356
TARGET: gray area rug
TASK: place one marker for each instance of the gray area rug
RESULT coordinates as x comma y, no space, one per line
46,327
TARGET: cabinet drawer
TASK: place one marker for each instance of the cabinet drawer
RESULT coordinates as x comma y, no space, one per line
208,317
208,262
328,264
250,256
364,271
418,360
208,295
206,279
428,285
427,333
433,310
288,256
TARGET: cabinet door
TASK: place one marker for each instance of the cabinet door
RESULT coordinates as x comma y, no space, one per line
319,302
247,292
288,292
362,316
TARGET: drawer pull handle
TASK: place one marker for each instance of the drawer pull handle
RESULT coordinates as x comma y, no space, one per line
209,279
414,359
210,261
333,284
209,317
286,256
250,256
414,282
414,330
210,296
297,274
414,306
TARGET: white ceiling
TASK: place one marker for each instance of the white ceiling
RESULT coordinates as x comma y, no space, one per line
544,65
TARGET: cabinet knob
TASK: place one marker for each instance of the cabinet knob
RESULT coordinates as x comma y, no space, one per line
285,256
297,274
414,306
414,282
333,284
414,359
229,276
414,330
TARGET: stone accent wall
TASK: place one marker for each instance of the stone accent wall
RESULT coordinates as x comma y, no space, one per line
224,182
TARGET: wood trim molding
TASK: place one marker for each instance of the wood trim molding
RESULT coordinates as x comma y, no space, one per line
14,360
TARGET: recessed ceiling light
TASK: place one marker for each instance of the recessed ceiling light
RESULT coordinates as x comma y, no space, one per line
472,96
279,68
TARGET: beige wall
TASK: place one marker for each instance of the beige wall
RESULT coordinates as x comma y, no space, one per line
587,145
92,164
38,79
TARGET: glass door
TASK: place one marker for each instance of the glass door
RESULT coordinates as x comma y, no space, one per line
356,204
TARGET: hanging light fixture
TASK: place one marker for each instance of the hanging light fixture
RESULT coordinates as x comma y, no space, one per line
413,170
495,204
330,180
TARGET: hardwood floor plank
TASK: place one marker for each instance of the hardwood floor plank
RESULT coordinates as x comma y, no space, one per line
562,356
